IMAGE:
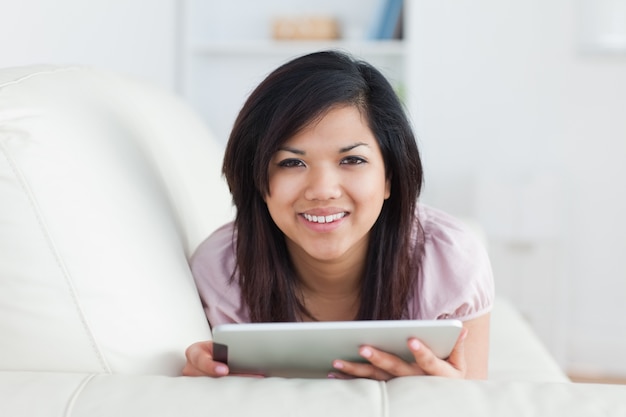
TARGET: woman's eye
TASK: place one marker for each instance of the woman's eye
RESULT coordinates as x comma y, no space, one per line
353,160
290,163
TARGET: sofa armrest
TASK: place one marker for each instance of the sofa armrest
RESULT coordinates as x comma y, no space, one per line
88,395
413,396
48,394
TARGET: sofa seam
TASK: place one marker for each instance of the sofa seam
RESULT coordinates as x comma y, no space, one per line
37,74
51,246
76,394
384,399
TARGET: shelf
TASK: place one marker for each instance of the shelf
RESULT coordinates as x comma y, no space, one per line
227,49
389,48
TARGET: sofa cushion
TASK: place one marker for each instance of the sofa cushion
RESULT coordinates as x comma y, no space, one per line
107,185
84,395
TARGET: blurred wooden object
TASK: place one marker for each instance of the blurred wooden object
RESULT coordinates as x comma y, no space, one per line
305,28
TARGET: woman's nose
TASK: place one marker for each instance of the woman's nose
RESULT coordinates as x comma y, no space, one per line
323,184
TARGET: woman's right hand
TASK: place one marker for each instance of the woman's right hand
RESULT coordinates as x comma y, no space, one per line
200,361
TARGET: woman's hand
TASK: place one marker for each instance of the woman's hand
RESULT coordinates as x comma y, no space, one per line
384,366
468,359
200,361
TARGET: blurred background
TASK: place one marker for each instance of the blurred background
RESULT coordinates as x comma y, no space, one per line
519,108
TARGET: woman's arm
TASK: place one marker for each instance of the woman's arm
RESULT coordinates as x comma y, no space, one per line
477,347
469,358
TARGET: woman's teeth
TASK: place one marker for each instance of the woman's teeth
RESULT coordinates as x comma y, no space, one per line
324,219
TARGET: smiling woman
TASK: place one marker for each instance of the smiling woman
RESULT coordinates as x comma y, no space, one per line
325,174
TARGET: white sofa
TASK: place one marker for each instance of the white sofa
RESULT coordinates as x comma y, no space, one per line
106,187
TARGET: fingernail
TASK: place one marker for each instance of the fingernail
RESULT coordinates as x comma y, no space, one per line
332,376
337,365
221,370
414,344
366,352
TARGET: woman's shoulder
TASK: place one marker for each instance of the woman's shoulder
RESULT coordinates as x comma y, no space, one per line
213,266
455,277
217,245
440,227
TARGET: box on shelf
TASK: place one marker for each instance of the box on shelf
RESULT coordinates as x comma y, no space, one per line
305,28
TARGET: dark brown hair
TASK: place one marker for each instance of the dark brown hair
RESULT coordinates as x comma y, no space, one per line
291,97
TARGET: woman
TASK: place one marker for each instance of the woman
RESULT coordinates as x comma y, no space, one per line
325,174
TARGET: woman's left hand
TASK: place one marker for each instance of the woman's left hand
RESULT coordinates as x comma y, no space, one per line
383,366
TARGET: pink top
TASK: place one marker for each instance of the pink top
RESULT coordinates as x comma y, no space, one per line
455,279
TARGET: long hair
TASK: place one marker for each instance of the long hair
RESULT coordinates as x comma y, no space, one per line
287,100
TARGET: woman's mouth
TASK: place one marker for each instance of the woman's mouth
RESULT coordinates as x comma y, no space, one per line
324,219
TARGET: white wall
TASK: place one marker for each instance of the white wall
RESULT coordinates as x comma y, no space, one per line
133,36
522,129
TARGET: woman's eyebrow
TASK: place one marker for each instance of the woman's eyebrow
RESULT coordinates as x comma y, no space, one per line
341,150
350,147
292,150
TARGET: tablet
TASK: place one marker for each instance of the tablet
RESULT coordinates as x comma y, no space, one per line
308,349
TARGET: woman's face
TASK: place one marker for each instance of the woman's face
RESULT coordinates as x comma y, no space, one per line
327,185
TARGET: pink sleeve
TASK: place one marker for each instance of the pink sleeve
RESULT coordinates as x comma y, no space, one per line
212,266
455,279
